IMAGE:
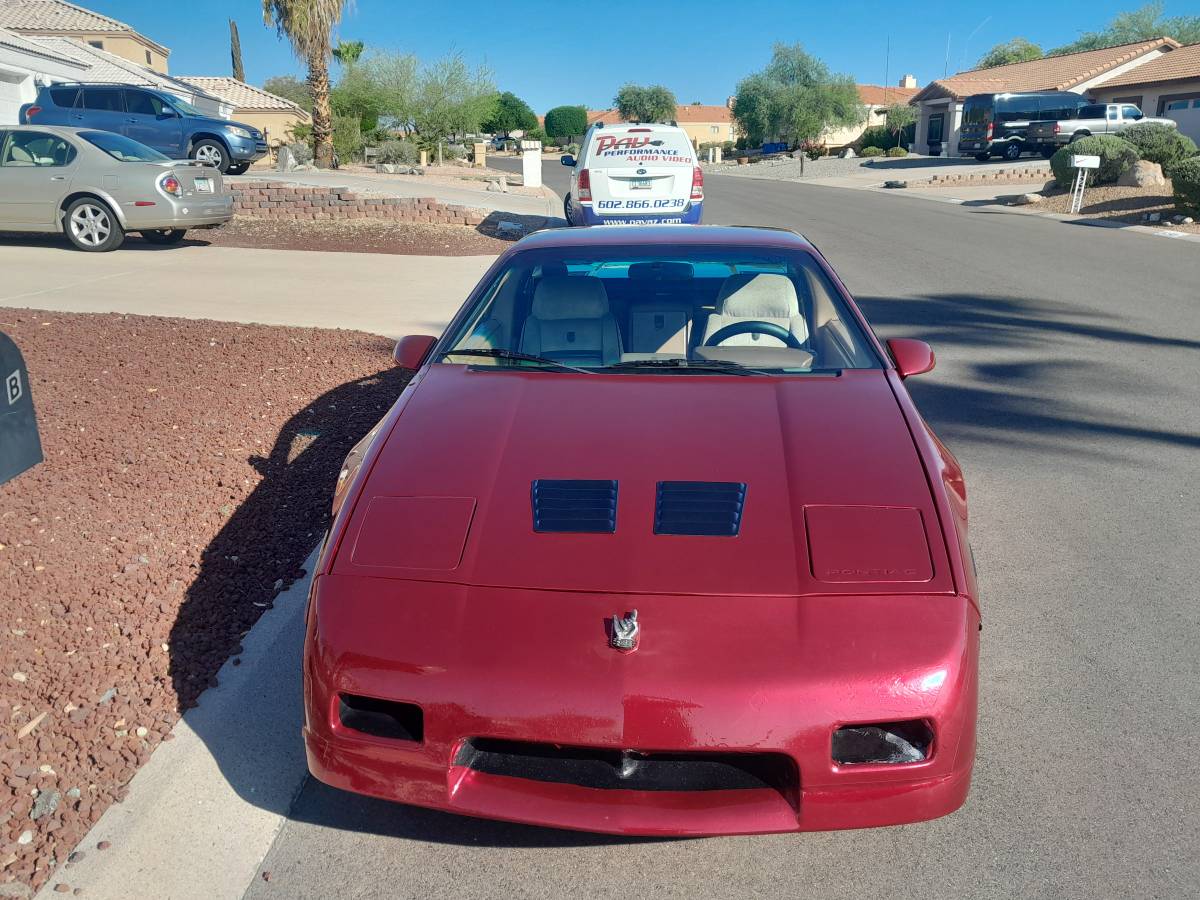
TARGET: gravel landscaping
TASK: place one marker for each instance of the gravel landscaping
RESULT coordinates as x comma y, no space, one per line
188,472
1121,204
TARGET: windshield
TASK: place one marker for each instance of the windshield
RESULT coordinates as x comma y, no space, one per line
122,148
689,311
184,107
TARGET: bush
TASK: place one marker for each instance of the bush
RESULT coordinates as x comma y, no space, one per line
876,136
301,152
573,149
1185,177
536,134
566,121
1160,144
402,152
871,151
1116,156
454,151
896,152
347,137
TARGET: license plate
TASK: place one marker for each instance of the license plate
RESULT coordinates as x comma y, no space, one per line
641,184
203,185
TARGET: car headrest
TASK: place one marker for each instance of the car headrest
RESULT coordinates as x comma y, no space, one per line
570,297
764,294
661,271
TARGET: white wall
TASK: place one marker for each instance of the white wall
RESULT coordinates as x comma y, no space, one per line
20,74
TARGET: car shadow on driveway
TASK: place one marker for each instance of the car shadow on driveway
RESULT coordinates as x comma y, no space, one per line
133,241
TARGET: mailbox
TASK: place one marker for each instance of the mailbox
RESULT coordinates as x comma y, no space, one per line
20,447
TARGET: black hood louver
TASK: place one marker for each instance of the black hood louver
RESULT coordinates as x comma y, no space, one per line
575,505
699,507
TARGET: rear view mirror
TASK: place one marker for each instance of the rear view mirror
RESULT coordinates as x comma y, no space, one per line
567,159
411,351
912,357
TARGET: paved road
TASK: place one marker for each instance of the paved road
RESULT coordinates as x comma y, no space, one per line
1067,384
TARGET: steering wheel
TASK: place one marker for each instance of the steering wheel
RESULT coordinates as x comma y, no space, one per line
752,326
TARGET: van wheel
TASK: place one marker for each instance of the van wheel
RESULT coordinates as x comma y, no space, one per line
983,157
211,153
1012,151
90,225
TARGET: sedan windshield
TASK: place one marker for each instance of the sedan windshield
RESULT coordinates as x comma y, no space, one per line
679,311
122,148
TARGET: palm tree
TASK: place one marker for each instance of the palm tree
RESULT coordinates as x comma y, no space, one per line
308,24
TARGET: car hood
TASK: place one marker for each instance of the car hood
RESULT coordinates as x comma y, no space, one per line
836,498
214,122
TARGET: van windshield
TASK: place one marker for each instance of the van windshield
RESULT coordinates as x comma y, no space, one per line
617,148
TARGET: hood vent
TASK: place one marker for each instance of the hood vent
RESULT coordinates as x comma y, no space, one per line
699,507
575,505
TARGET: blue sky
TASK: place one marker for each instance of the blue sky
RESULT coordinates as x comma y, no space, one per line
577,52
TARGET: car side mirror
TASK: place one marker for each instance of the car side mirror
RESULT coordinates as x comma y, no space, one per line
165,114
567,159
411,351
912,357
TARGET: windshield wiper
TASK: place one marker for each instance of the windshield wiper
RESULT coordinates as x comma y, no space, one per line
502,353
724,366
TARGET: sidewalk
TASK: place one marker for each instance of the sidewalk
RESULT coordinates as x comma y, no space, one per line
547,204
860,174
383,294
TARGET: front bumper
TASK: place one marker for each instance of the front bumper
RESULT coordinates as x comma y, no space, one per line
247,149
535,666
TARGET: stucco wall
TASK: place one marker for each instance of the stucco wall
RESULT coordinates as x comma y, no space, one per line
127,47
275,123
18,79
702,132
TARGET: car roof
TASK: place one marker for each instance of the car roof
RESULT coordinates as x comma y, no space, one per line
666,236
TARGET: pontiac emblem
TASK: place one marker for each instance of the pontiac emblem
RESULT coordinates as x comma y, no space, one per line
625,632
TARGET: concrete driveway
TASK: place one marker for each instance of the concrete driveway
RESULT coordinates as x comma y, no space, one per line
374,292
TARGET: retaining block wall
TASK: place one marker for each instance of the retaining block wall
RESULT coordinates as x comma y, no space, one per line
272,200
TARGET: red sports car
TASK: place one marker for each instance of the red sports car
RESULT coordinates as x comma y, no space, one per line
654,542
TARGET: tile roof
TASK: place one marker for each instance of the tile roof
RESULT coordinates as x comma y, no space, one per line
1053,73
26,45
1178,65
884,95
684,113
240,94
59,17
104,66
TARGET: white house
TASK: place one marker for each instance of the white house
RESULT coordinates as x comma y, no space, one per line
24,65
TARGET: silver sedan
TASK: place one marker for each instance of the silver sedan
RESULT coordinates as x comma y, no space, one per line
94,186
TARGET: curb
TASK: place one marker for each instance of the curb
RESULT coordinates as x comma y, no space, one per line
203,812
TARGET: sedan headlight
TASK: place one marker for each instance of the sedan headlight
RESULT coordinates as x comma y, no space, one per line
236,131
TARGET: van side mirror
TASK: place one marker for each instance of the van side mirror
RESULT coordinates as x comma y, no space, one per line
411,351
567,159
911,357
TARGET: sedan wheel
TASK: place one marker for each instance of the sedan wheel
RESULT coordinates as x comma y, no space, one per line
91,226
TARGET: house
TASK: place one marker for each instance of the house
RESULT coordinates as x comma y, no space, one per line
24,65
875,99
703,124
273,115
1167,86
57,18
940,102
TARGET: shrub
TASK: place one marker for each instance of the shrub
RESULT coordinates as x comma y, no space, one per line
402,152
896,152
1185,177
566,121
871,151
536,134
454,151
301,152
1116,156
876,136
573,149
347,137
1160,144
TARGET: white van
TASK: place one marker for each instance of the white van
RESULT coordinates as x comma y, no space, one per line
631,174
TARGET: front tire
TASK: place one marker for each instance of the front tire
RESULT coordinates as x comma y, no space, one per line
1012,151
91,226
212,153
237,168
164,235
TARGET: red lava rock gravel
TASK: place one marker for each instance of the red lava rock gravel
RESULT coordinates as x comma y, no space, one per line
189,466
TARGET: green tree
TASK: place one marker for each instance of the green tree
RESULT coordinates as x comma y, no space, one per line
566,122
899,116
1144,23
235,52
347,53
1017,50
307,24
289,87
636,103
795,98
512,114
451,99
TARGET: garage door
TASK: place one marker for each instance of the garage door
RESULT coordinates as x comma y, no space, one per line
10,97
1186,114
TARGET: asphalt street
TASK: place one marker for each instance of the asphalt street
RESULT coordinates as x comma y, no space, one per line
1067,385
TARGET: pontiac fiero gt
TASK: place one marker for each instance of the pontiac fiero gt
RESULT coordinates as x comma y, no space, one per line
653,542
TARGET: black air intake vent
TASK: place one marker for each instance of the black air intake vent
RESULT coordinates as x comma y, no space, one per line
575,505
699,507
